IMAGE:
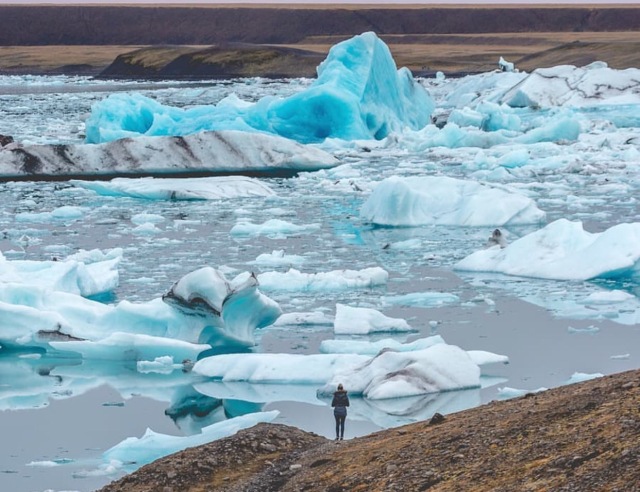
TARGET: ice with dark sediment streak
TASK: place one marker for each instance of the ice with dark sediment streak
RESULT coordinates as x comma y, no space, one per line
207,152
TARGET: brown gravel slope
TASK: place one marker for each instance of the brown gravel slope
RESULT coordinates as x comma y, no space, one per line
584,437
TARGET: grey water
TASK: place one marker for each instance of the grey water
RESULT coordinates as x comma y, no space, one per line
57,416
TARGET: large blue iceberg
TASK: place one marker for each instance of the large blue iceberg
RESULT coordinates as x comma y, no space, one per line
359,94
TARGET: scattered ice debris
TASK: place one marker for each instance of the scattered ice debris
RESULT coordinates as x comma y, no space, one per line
441,200
362,321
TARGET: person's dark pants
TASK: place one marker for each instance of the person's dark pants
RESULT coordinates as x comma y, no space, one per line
340,425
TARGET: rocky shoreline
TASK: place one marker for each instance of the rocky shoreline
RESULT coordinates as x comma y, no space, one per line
582,437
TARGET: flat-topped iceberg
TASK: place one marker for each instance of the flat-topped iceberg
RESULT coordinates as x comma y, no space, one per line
563,250
86,273
207,152
566,85
440,200
389,374
359,94
205,188
336,280
360,320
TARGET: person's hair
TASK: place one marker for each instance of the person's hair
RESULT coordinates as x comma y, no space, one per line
340,387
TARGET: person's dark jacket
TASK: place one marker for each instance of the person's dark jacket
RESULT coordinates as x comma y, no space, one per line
340,403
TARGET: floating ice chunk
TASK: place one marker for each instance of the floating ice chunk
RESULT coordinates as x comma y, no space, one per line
304,319
390,374
276,368
135,452
589,329
140,219
422,299
372,348
506,66
620,357
206,188
442,200
276,259
67,213
86,273
160,365
272,227
563,250
506,392
483,358
608,297
336,280
212,152
361,321
146,229
566,85
578,377
134,347
359,94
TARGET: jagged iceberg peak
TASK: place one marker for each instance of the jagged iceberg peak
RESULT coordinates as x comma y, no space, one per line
563,250
359,94
238,303
567,85
440,200
202,310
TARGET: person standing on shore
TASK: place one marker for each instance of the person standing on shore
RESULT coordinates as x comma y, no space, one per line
340,403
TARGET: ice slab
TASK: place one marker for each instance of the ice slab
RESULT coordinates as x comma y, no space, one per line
226,151
336,280
205,188
361,321
415,201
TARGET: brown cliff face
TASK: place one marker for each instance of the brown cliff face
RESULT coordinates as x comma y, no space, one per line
583,437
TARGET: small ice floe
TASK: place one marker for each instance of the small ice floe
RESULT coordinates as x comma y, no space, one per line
362,321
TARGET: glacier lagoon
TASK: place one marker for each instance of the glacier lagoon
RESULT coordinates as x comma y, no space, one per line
573,157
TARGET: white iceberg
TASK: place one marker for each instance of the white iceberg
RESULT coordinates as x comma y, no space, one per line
85,273
566,85
563,250
361,321
205,188
441,200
